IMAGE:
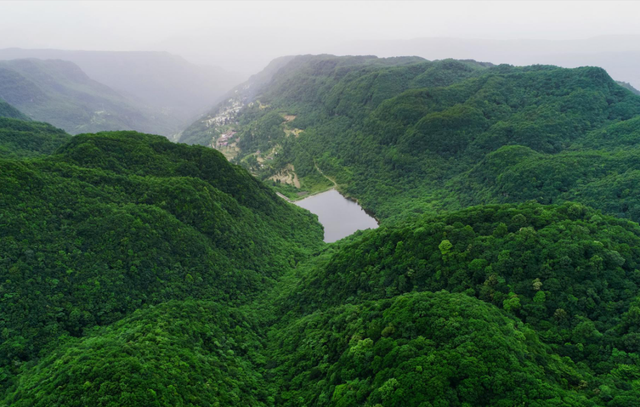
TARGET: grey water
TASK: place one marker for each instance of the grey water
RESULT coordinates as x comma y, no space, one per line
339,216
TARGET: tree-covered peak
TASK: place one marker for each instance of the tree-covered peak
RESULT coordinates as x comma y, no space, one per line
420,349
26,139
114,222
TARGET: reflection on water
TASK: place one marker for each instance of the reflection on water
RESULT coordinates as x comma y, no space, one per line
339,216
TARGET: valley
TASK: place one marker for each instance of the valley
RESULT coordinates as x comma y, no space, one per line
165,83
503,270
60,93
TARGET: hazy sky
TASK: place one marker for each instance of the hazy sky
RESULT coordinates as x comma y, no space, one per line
232,34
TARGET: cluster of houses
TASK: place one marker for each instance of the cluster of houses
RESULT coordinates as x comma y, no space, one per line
223,141
225,114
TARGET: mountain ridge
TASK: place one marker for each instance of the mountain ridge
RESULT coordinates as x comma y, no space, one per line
404,132
164,81
60,92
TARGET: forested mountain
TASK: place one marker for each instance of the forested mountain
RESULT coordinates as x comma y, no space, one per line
629,86
308,72
23,138
619,55
60,93
410,136
115,222
136,271
167,83
367,322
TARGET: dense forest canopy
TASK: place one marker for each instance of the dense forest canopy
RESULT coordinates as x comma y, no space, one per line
135,271
23,139
406,136
112,222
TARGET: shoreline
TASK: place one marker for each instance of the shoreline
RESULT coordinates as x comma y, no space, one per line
280,194
347,197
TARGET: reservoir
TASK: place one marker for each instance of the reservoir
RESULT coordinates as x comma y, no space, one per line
339,216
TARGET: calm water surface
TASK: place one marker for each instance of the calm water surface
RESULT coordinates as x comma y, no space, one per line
339,216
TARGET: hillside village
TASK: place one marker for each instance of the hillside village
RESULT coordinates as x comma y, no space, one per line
220,126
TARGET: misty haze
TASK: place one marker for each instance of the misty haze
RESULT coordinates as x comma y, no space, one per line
319,203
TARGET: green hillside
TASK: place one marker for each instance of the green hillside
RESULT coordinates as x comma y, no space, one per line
24,139
202,131
191,353
117,221
540,309
6,110
295,77
406,137
351,320
139,272
165,82
416,350
60,93
627,85
445,348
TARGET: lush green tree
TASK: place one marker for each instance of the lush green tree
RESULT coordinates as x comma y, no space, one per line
116,221
25,139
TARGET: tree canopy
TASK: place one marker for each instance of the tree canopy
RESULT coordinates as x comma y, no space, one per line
136,271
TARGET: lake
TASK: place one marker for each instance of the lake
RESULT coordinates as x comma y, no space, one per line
339,216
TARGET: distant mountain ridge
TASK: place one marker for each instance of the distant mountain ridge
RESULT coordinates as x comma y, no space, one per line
165,82
29,139
210,125
619,55
60,93
627,85
20,137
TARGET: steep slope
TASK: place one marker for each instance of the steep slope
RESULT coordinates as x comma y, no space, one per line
308,70
6,110
165,82
60,93
598,171
116,221
406,138
24,139
215,121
